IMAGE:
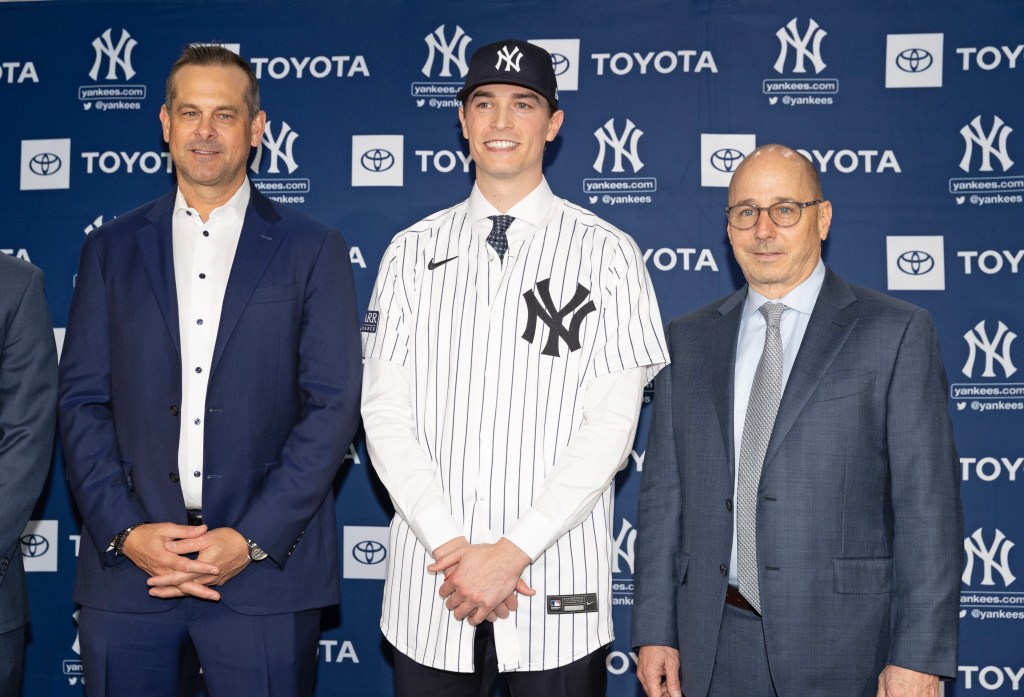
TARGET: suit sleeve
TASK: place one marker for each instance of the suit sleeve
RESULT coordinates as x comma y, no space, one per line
927,512
329,375
658,533
95,475
28,392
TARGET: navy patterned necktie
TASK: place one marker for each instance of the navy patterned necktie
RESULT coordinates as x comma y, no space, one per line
763,407
498,239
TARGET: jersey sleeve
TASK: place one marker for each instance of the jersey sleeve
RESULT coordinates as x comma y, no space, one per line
631,335
385,328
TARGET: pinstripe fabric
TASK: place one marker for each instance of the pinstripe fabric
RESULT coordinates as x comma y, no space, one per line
493,410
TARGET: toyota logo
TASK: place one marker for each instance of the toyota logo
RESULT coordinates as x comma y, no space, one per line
915,263
377,160
33,545
560,63
914,60
369,552
44,164
726,159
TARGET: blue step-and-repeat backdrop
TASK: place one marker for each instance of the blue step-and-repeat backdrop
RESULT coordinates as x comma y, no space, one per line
912,111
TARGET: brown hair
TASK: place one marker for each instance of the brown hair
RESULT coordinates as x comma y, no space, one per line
209,54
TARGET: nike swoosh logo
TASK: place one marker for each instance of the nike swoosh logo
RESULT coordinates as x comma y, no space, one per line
431,265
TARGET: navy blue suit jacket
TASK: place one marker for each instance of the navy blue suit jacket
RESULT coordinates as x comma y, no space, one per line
282,403
860,527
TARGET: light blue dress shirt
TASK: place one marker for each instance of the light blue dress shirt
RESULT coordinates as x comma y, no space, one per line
749,347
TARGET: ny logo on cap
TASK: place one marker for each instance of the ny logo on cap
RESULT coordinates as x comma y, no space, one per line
509,58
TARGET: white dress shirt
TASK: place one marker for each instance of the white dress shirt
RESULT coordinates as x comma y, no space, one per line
203,254
750,346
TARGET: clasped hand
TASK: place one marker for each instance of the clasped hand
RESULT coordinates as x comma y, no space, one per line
159,549
481,580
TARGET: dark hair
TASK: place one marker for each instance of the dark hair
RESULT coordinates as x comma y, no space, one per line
209,54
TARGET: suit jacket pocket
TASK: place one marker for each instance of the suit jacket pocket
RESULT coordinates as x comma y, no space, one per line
275,294
682,561
844,384
863,575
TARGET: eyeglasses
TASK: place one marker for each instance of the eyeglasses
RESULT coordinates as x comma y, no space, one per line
784,213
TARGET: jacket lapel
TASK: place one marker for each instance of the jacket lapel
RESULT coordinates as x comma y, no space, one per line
831,323
157,253
259,241
721,338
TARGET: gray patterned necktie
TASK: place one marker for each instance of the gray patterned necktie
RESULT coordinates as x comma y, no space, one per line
765,395
498,239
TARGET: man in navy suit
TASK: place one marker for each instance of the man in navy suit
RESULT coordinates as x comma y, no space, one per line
209,389
846,584
28,394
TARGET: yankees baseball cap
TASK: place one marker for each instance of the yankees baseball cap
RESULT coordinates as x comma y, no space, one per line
512,62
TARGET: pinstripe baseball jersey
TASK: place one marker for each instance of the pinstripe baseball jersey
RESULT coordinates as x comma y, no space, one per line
499,355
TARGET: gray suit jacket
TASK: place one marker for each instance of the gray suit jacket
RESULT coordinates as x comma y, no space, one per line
860,526
28,393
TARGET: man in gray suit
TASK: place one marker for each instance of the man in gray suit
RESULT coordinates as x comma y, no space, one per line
28,396
800,525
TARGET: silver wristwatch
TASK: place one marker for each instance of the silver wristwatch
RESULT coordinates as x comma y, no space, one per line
255,552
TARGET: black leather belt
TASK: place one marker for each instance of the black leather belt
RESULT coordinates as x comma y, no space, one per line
735,598
195,516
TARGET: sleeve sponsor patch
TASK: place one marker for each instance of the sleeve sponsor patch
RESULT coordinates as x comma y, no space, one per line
369,325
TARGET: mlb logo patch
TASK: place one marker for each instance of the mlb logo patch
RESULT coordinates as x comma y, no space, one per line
554,603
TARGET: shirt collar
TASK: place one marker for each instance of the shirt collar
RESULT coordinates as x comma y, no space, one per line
802,298
532,209
237,204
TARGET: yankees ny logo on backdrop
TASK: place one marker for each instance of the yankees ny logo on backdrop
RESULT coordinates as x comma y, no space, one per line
544,309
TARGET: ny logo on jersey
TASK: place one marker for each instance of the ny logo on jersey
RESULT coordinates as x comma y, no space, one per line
280,147
545,310
436,44
120,55
799,43
974,135
509,58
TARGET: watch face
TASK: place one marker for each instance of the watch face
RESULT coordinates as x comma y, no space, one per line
255,553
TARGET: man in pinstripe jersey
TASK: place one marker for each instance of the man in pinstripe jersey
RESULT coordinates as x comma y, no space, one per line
507,344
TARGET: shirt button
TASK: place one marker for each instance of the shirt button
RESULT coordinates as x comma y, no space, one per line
728,504
198,369
206,233
173,476
173,409
196,474
202,275
724,569
199,322
188,213
197,422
